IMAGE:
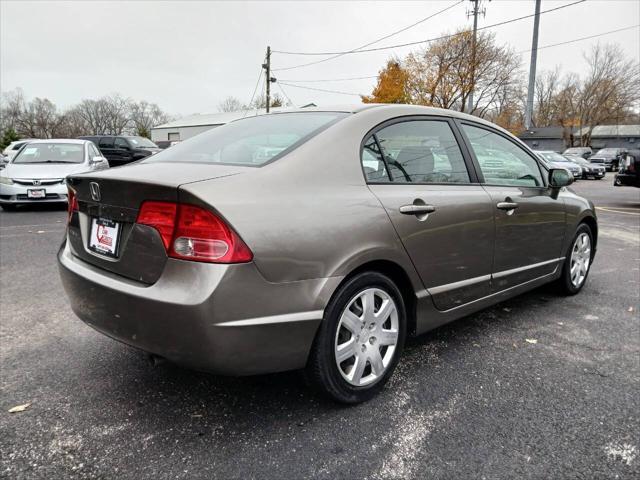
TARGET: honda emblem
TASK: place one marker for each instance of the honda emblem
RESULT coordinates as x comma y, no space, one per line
95,191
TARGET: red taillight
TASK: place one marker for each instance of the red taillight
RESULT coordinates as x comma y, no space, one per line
72,202
193,233
161,216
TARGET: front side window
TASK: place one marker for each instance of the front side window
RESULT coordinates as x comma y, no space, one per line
501,161
51,153
252,141
121,143
93,151
421,151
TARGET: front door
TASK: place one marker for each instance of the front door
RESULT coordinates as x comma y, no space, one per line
529,216
416,169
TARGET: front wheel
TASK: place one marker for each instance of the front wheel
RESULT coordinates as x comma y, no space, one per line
577,262
360,340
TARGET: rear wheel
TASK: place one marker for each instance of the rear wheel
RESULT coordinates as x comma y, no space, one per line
360,340
577,262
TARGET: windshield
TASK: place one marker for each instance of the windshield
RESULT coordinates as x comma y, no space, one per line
552,156
51,153
607,151
141,142
252,141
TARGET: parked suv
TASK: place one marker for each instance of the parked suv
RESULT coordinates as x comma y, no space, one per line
120,150
609,158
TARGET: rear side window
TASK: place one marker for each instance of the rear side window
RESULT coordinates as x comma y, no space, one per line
251,142
121,143
106,142
417,151
501,161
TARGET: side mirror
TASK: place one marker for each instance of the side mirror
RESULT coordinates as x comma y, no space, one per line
560,177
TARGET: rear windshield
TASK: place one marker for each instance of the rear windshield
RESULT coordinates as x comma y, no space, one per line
51,153
252,141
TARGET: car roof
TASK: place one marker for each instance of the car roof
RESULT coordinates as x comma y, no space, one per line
61,140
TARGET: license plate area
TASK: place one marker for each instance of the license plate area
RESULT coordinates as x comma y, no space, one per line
104,237
36,193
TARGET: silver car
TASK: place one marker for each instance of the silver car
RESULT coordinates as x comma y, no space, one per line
556,160
37,173
319,239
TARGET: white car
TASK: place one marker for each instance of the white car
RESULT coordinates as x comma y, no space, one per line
37,174
12,149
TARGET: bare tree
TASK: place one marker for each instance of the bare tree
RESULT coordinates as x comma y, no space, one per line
230,104
611,86
145,116
546,92
444,74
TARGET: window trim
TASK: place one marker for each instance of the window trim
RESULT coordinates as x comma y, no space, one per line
542,169
471,169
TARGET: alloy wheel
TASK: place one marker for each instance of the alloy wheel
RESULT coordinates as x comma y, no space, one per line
580,259
366,337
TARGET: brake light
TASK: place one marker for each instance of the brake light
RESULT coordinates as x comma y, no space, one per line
193,233
72,203
161,216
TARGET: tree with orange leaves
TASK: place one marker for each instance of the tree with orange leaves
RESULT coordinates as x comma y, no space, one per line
392,85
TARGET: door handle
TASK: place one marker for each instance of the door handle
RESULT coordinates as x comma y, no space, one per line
417,209
507,205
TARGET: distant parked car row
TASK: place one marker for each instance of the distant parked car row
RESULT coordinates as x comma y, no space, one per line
610,158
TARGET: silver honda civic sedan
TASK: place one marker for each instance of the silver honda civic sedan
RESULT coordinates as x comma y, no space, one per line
37,172
319,239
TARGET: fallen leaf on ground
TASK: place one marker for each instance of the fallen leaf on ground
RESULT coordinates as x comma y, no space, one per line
630,309
506,309
20,408
560,323
531,340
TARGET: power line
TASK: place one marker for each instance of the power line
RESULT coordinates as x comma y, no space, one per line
284,93
377,49
523,51
379,39
340,54
332,79
254,93
580,39
320,89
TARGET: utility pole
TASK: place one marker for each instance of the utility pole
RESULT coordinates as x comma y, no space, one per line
476,10
270,79
528,113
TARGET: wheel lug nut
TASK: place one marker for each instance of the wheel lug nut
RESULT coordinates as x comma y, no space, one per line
363,347
372,340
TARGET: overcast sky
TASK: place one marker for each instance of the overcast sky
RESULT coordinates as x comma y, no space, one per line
188,56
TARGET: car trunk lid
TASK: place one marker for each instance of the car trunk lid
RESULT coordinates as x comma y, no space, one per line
113,198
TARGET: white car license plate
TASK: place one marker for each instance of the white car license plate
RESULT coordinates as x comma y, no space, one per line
104,236
36,193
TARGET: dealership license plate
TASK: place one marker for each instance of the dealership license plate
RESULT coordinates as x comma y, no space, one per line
36,193
104,236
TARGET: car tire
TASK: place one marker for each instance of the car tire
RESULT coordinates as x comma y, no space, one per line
348,381
617,182
572,281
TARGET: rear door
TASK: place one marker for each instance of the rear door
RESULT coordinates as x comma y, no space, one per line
529,216
416,168
106,147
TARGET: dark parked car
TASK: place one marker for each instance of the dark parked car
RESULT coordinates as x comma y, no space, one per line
629,173
589,169
609,157
319,240
166,143
584,152
120,150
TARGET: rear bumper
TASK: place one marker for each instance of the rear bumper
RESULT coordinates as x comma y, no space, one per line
226,319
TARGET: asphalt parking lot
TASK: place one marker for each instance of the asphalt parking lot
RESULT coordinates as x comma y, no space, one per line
541,386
